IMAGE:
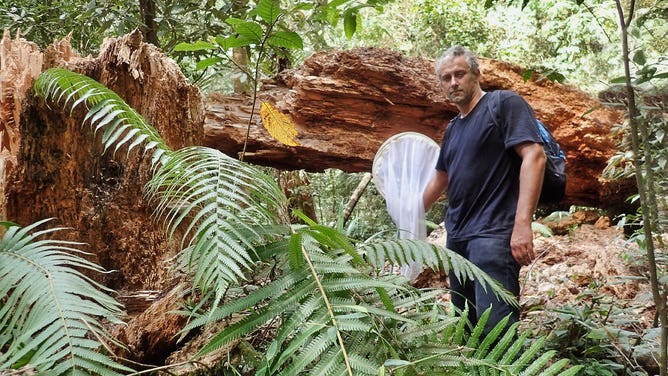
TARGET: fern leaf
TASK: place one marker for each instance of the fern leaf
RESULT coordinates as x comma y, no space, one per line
294,282
51,310
221,205
406,251
106,110
528,355
557,366
363,366
329,237
300,322
537,364
315,348
360,283
503,344
279,125
283,303
514,351
492,337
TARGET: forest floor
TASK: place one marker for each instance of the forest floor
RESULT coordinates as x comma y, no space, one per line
587,284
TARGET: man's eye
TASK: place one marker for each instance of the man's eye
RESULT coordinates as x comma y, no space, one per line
459,75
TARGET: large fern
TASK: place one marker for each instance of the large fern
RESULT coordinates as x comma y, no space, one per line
501,352
328,305
218,200
51,315
336,317
224,206
408,251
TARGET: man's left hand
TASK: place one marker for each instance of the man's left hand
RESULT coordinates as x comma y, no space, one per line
521,245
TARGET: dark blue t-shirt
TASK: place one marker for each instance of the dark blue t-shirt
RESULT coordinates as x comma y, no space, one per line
483,168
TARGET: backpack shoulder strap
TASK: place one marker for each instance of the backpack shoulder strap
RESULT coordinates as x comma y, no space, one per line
494,105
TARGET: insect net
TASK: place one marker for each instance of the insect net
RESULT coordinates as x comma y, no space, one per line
402,167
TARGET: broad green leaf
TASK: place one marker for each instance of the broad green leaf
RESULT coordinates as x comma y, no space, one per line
247,29
639,57
233,42
209,61
555,76
350,23
397,363
269,10
287,39
191,47
618,80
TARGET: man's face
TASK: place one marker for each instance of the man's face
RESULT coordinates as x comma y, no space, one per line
457,80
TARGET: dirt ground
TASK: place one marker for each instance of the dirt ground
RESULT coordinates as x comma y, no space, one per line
588,264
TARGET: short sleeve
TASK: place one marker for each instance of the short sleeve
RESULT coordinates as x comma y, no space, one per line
518,120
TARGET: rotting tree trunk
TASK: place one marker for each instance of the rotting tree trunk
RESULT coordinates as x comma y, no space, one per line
52,166
56,168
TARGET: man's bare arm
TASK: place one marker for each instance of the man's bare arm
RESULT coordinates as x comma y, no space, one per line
434,189
531,181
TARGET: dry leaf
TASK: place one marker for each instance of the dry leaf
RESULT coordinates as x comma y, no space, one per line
279,125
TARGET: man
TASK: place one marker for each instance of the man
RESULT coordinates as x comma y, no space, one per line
493,174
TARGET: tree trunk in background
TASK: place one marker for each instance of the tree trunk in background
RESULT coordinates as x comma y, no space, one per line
355,196
150,29
242,81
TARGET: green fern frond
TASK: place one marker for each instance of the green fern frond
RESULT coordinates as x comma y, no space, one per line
295,282
51,311
406,251
106,111
477,332
334,240
361,284
222,205
501,352
320,316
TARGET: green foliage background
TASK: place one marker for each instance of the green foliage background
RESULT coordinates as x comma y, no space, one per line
560,37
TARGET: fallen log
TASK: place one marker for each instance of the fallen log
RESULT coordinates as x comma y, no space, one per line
345,104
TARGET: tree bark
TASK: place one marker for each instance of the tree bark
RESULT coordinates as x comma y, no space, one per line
54,167
150,28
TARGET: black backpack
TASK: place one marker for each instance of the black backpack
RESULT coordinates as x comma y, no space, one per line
554,181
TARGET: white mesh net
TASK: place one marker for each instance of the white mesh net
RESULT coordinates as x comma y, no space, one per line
402,167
